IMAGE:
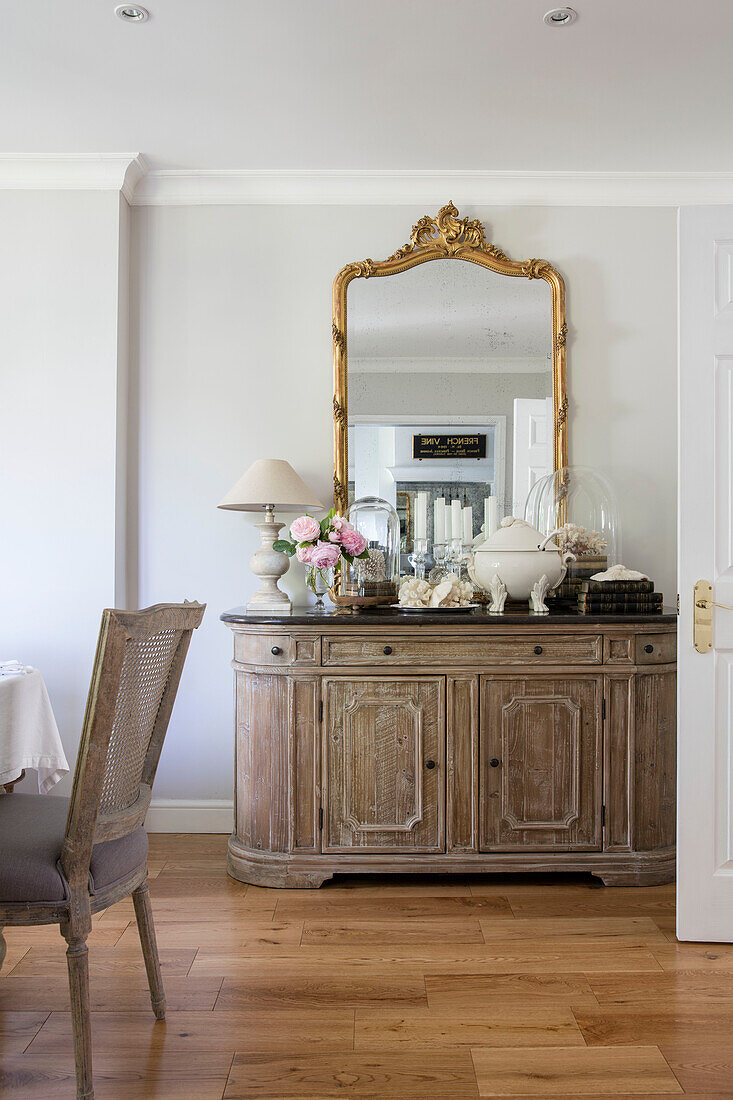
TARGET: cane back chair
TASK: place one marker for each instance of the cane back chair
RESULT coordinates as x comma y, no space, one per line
61,860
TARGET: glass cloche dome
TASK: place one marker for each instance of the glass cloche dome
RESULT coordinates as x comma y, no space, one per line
581,503
379,574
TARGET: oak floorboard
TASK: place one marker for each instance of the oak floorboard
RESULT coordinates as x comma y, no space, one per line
553,1071
321,989
485,991
427,1029
251,935
357,908
106,934
381,886
149,1076
413,930
170,910
208,846
705,1068
259,1029
683,988
359,1076
490,958
657,1023
694,956
581,930
108,993
15,952
18,1029
50,963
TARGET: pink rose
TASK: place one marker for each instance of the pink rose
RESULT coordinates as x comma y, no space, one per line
303,553
334,536
341,524
353,542
305,529
324,555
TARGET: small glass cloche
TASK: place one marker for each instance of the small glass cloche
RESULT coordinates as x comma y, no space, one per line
580,504
377,577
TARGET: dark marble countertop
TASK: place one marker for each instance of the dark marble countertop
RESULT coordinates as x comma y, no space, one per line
390,616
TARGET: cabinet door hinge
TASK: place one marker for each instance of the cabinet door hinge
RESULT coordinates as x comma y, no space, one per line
320,711
320,817
603,710
603,816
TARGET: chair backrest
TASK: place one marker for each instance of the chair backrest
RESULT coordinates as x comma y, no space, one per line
137,669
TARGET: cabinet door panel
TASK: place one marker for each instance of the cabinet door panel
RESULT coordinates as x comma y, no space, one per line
383,763
540,763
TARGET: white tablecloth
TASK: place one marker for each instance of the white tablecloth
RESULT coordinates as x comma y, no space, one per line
29,736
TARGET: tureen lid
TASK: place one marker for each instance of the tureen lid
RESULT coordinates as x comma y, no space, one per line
516,534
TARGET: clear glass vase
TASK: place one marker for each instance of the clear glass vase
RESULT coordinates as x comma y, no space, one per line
319,581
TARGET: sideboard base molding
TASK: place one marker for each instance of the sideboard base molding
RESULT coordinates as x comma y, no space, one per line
309,871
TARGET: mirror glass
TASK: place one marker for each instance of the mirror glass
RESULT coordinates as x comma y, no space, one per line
450,376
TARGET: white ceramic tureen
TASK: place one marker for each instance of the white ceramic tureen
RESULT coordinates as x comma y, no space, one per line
519,562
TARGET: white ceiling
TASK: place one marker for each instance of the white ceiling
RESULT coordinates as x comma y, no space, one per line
633,85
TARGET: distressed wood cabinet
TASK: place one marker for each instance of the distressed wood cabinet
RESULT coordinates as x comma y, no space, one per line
384,742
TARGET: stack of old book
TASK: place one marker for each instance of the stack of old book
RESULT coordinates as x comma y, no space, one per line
619,597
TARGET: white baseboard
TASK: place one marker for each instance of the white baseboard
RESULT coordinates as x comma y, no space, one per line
183,815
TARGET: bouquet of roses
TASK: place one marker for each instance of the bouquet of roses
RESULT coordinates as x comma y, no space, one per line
322,545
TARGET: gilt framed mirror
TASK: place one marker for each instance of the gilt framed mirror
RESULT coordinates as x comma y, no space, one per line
451,379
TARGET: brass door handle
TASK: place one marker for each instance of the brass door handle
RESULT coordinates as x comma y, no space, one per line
702,628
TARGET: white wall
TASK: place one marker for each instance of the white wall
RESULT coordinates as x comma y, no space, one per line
59,279
231,361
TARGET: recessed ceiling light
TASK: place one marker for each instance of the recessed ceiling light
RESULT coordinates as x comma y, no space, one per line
561,17
132,14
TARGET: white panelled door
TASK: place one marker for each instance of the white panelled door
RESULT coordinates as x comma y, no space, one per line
532,452
705,773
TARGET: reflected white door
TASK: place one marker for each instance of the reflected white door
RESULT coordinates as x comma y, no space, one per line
705,757
532,451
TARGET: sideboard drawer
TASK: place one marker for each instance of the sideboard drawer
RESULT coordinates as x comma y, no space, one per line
656,649
277,649
389,651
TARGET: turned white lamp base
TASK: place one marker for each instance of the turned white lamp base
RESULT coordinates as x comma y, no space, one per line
269,565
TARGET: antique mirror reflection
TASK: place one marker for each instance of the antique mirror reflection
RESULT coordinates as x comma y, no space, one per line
449,378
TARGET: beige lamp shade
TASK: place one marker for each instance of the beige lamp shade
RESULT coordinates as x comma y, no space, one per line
270,481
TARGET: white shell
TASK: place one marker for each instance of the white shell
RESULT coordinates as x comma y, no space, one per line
620,573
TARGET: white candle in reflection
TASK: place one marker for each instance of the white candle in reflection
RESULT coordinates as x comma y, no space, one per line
439,521
467,525
491,517
456,527
421,516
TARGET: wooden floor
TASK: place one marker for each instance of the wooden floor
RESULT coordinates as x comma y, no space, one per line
418,989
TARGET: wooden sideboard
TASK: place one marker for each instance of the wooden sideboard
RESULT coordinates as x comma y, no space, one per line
388,741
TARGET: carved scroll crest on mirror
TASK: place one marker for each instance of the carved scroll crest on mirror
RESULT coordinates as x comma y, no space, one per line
445,236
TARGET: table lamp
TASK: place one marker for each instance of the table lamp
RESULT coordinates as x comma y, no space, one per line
268,484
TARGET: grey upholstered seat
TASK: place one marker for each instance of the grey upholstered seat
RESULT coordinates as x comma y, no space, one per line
31,837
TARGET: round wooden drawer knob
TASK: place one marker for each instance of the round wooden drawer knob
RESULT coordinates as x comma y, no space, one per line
430,764
276,651
648,648
538,649
494,762
387,650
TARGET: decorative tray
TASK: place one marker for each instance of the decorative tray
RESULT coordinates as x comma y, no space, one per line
439,610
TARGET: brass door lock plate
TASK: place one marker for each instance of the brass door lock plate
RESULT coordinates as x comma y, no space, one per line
703,620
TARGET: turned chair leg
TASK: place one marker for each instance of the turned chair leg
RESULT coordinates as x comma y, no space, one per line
3,947
77,957
146,928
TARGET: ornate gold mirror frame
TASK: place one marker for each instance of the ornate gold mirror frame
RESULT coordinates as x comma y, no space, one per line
444,237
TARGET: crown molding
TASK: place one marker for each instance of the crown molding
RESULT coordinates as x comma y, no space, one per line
338,187
106,172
